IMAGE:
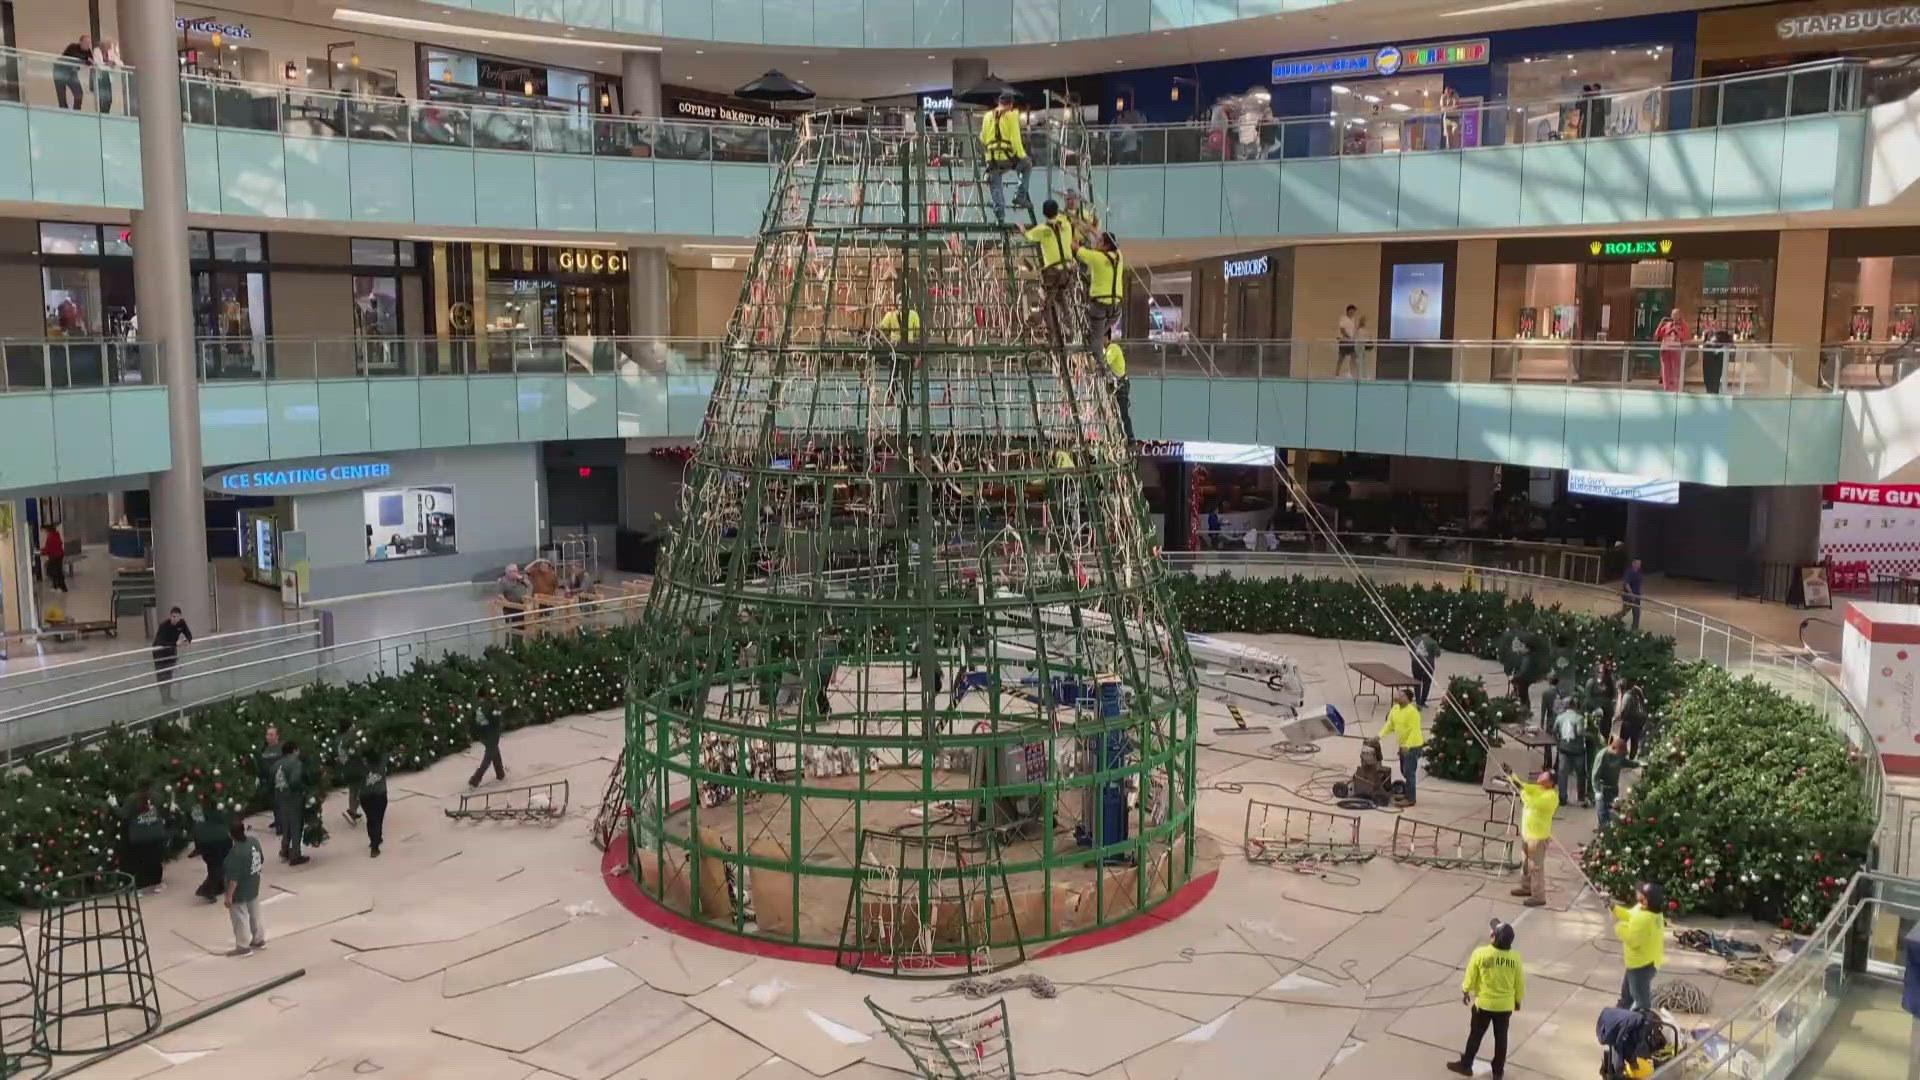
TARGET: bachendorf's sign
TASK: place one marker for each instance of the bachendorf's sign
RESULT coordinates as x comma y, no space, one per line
1858,21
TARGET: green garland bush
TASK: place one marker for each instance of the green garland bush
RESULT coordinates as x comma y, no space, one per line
1748,803
55,821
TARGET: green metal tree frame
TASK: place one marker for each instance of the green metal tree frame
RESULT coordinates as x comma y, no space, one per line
912,587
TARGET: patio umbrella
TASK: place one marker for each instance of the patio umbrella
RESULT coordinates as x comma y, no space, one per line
987,91
773,86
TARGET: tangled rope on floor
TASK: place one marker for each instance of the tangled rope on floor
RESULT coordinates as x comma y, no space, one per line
1679,995
975,989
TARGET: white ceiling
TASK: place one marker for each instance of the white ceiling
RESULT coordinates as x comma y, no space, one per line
853,74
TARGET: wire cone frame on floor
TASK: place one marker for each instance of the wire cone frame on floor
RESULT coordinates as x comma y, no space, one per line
912,593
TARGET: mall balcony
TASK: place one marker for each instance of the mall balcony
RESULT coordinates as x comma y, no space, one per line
1786,141
1740,415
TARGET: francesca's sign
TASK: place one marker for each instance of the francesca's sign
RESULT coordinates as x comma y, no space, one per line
1858,21
593,262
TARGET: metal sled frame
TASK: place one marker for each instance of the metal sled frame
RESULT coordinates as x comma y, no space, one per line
1447,848
972,1046
514,803
1276,832
913,914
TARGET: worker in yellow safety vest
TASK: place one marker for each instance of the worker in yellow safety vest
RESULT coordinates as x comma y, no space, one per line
890,326
1005,149
1055,237
1122,398
1106,286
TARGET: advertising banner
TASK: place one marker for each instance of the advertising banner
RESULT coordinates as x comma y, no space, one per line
1868,529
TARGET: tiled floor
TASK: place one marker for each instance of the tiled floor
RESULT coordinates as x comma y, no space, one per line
494,950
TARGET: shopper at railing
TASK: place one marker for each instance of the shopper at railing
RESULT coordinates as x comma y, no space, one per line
67,86
106,68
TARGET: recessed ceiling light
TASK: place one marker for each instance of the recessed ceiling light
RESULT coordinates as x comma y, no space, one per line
689,78
930,56
806,61
699,52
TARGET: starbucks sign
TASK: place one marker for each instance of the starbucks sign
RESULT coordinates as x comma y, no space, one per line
1857,21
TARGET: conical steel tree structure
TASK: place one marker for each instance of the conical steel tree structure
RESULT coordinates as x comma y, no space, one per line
911,611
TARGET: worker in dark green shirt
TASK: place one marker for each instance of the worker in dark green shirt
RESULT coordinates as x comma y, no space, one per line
242,870
372,785
264,760
290,801
1606,777
486,728
212,842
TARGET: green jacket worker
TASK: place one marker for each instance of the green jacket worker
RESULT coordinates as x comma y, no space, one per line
1642,929
290,801
890,326
1005,150
1539,800
1494,985
1106,285
486,729
242,871
1403,723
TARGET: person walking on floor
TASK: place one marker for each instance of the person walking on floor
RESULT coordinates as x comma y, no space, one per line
243,867
1539,801
1006,151
1403,723
1570,758
1632,584
53,557
1422,657
372,787
166,651
486,728
1116,359
212,841
1493,988
290,802
1642,929
347,756
1606,777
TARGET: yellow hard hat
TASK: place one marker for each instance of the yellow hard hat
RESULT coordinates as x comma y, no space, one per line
1639,1068
56,614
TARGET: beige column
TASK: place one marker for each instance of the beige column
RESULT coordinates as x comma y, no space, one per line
1326,278
1476,267
1800,298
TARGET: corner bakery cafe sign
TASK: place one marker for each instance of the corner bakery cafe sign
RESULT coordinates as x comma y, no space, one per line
1858,21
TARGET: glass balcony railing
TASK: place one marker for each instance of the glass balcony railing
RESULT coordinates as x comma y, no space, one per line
1822,87
1743,369
75,363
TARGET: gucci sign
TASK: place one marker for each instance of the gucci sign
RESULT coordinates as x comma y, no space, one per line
594,262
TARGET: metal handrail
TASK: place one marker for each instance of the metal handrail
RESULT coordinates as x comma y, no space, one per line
1720,1052
1838,85
140,658
134,668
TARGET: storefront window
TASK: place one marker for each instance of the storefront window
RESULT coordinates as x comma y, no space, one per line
1593,92
374,253
1540,302
1389,115
1873,299
239,246
63,238
72,300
